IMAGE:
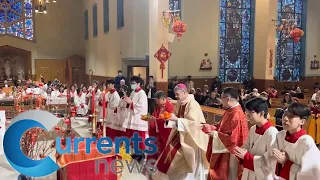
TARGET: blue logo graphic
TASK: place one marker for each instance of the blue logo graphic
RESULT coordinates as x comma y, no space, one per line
11,143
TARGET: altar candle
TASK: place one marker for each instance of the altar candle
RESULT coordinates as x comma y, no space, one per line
92,101
68,96
104,106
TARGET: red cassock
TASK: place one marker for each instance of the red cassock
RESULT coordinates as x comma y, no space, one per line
232,131
163,133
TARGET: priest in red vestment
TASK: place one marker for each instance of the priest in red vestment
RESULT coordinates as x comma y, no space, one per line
232,131
157,123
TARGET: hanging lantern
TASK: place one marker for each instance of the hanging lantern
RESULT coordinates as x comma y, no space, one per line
296,34
162,55
179,28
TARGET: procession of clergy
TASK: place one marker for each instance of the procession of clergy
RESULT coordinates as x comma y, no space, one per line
188,147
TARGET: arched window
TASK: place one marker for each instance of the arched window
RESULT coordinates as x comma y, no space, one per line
235,40
290,61
16,18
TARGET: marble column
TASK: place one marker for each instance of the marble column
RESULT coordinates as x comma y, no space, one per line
158,35
264,43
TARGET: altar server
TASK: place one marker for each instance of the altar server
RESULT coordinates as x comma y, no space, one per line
73,92
184,157
122,113
112,100
137,105
55,91
295,151
261,138
80,102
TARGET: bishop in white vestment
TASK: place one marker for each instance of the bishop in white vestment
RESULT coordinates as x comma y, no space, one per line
184,157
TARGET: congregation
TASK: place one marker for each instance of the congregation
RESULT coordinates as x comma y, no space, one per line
230,149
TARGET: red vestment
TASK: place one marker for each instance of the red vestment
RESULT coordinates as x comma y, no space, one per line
232,131
163,133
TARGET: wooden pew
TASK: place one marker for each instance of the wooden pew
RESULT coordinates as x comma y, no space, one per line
312,126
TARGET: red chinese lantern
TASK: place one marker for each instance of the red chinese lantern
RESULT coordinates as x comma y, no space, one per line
162,55
296,34
179,28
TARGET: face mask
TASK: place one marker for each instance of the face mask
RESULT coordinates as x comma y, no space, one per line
120,74
133,86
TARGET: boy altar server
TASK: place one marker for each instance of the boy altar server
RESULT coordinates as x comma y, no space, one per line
112,99
296,153
261,138
80,102
137,105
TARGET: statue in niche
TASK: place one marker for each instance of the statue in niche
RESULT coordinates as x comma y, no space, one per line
315,64
20,73
7,68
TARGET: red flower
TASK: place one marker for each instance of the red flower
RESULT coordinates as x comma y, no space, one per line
57,128
82,106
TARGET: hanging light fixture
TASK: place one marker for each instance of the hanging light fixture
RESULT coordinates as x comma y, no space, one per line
41,6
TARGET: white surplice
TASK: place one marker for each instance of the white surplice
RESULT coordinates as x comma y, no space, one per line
97,99
56,93
80,102
112,99
122,113
140,107
260,146
304,154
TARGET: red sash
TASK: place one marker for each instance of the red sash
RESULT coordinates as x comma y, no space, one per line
169,153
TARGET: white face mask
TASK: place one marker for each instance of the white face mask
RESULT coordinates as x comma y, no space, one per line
120,74
133,86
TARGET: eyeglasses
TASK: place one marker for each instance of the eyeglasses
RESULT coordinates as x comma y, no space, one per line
249,112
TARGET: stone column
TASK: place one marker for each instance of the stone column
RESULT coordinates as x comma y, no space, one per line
158,35
264,43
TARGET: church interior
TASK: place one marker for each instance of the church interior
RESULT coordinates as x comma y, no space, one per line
266,48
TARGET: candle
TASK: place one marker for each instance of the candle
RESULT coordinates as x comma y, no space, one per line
92,101
68,96
104,106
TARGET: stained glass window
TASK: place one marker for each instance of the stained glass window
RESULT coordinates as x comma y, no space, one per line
175,7
289,54
16,18
235,40
120,15
95,20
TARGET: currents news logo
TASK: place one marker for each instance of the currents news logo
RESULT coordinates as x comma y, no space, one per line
43,167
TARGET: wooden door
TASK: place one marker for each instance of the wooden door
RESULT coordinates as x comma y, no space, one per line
76,73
